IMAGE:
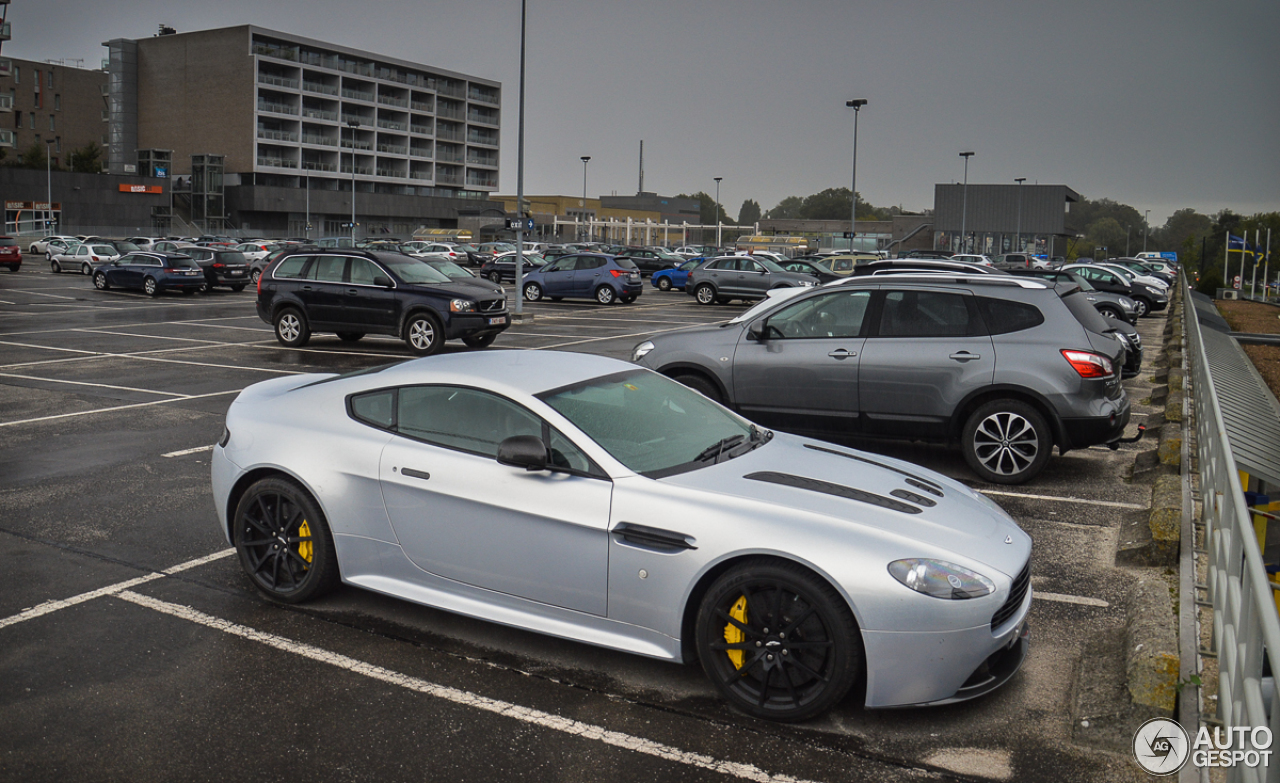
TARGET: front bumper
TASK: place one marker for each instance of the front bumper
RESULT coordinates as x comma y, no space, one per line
470,324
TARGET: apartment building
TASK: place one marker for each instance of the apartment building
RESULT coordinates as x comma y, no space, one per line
297,124
49,101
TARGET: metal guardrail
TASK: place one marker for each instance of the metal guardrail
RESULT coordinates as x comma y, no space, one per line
1245,622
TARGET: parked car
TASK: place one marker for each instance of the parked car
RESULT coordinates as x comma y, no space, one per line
222,267
353,292
939,254
530,488
606,279
1003,366
1019,261
689,251
54,246
667,279
1146,299
83,258
1140,273
888,266
144,243
173,246
10,254
846,263
502,268
257,265
740,277
818,269
449,269
972,258
39,246
252,251
151,271
648,260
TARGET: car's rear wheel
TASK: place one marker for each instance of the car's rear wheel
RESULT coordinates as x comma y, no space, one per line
705,294
664,284
85,269
495,277
777,641
606,295
1141,306
255,275
350,337
480,340
626,299
291,328
423,334
238,287
100,281
284,542
1006,442
150,286
532,292
55,267
700,384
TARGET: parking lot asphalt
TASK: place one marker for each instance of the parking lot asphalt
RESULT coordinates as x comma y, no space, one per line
132,647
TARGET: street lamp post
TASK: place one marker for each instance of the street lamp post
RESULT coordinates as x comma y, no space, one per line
1128,229
518,316
1018,247
855,104
352,124
585,159
1145,228
964,203
717,179
48,161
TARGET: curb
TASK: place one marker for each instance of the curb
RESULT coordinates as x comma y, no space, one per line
1151,654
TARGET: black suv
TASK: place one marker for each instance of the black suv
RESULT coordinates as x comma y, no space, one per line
221,267
355,292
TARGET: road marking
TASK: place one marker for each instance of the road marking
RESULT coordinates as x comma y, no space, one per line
185,452
463,698
118,408
1087,501
49,607
1071,599
86,383
631,336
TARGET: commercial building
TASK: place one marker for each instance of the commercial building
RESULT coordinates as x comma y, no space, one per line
642,219
269,132
998,219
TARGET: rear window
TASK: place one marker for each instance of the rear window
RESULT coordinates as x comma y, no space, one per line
1004,317
291,267
626,263
1083,310
183,263
231,257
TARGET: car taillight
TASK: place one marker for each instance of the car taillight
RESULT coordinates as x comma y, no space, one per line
260,276
95,258
217,264
617,273
1088,365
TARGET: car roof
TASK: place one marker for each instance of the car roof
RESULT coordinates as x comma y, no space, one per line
512,373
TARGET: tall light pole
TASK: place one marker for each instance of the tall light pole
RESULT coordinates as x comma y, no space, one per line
48,164
518,316
717,179
1146,226
352,124
855,104
964,203
585,159
1018,248
1127,230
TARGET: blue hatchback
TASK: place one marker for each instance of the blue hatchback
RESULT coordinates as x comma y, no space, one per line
668,279
606,279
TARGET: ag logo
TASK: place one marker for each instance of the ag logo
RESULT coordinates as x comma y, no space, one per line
1161,747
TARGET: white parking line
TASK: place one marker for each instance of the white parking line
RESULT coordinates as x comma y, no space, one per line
185,452
506,709
86,383
57,416
1086,501
1071,599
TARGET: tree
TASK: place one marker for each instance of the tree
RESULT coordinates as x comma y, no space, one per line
87,159
34,157
707,211
787,209
830,204
749,214
1106,232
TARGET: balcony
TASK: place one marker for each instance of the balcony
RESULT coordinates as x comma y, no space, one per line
4,31
275,135
360,145
389,125
483,117
483,160
421,130
361,170
482,182
6,138
6,69
357,95
390,173
321,89
319,114
363,122
449,133
480,137
450,112
313,138
277,81
448,179
311,165
6,103
419,175
420,106
276,108
452,89
477,96
387,100
419,152
279,163
393,149
289,53
448,156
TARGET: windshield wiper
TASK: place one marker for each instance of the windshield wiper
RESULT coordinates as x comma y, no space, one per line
760,437
712,453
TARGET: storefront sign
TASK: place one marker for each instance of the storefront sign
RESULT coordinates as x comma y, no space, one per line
141,189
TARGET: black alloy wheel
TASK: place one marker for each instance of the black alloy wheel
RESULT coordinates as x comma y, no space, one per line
284,542
777,641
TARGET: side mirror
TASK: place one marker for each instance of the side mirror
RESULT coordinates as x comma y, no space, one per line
758,331
382,281
523,451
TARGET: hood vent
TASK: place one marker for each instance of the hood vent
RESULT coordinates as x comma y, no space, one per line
912,479
839,490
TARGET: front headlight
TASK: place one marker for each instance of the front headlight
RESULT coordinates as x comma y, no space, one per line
807,284
940,579
640,350
462,306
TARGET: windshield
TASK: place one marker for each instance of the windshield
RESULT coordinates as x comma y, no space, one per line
653,425
412,270
450,269
769,264
1084,284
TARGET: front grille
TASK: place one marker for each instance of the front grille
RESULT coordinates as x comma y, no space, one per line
492,305
1017,593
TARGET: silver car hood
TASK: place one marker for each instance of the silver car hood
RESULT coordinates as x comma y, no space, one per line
871,492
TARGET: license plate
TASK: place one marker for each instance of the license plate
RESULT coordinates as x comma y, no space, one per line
633,277
499,321
237,273
192,274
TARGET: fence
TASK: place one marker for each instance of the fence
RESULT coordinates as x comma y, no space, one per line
1246,625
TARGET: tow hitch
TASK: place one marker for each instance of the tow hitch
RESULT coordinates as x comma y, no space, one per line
1115,444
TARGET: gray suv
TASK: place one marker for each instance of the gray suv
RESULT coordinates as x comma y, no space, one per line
1007,367
741,277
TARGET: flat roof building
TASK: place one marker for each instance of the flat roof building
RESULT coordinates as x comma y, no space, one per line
42,102
292,117
1003,218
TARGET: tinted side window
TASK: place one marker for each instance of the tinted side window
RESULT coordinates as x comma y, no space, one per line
625,263
462,419
830,315
375,408
591,262
925,314
363,271
1003,317
291,267
327,269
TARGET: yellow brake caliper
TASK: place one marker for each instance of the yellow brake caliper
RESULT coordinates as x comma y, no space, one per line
304,547
733,635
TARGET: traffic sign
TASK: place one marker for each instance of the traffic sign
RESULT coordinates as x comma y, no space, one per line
519,224
1236,282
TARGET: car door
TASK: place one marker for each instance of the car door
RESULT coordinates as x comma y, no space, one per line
457,513
588,273
321,291
366,306
801,372
124,272
557,276
752,279
928,351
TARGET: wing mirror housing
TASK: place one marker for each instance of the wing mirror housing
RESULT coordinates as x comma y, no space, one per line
758,331
382,281
523,451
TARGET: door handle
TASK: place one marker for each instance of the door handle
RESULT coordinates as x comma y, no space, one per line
306,288
418,474
964,356
841,353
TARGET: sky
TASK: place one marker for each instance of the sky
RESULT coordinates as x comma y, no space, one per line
1159,104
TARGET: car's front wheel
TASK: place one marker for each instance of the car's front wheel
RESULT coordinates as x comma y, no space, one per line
1110,312
494,277
1141,306
291,328
424,335
100,281
777,641
699,384
532,292
1006,442
606,295
284,542
705,294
